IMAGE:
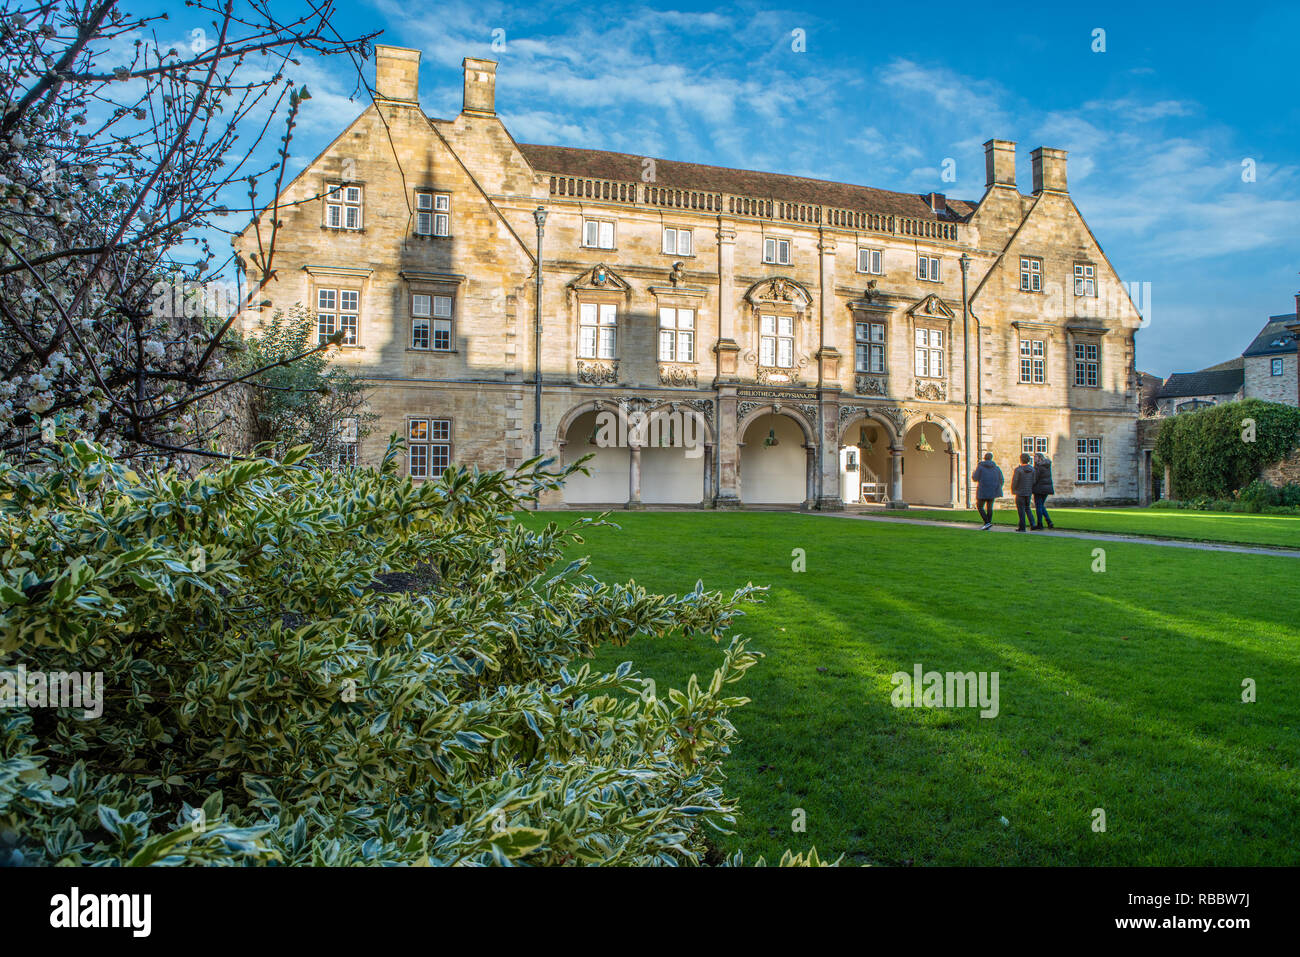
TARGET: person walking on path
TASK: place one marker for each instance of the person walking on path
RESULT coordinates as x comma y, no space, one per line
988,486
1022,487
1042,488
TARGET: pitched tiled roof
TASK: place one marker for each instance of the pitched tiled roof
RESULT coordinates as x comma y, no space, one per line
1205,382
601,164
1273,339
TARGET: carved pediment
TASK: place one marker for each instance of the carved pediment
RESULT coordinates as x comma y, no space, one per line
779,291
600,277
931,307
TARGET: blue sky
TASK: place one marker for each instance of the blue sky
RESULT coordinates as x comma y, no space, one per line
1157,126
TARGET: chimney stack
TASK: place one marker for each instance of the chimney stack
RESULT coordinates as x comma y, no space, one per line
480,86
1000,163
1049,169
937,202
397,73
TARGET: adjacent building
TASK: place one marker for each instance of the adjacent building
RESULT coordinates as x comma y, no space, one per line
1265,370
801,342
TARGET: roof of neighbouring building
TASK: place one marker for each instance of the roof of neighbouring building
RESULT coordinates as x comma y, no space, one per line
1274,339
626,167
1212,381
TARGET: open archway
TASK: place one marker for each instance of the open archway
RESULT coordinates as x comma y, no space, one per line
929,466
773,461
864,460
608,482
675,456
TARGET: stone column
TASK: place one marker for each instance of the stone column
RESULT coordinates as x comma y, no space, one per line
896,477
726,349
707,500
728,451
831,498
953,485
634,476
810,477
1144,477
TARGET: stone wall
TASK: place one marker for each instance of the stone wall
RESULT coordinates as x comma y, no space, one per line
1285,472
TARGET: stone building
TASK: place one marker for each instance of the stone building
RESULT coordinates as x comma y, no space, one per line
1270,360
1189,391
1266,370
800,342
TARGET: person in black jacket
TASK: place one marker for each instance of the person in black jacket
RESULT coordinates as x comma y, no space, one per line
988,479
1042,488
1022,487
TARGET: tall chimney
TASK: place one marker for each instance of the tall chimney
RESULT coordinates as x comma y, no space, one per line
1049,169
397,73
480,86
1000,163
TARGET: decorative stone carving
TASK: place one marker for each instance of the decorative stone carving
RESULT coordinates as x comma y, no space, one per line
778,290
809,413
597,373
870,385
744,408
704,407
770,375
896,415
679,375
678,275
934,391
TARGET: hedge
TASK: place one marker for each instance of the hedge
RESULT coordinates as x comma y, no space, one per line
1214,452
307,666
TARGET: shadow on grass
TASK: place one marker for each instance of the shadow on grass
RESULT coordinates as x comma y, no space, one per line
1119,691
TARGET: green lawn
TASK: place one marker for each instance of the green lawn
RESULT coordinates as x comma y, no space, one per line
1241,528
1118,690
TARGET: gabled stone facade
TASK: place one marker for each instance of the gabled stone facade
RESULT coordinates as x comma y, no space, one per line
800,333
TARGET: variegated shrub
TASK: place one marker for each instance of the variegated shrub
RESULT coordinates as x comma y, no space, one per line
270,696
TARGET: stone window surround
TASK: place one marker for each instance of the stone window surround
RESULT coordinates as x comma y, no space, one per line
1099,455
882,344
857,263
680,229
450,443
340,277
681,297
1086,333
1042,286
938,324
600,297
325,204
1022,330
613,224
777,238
431,284
433,212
